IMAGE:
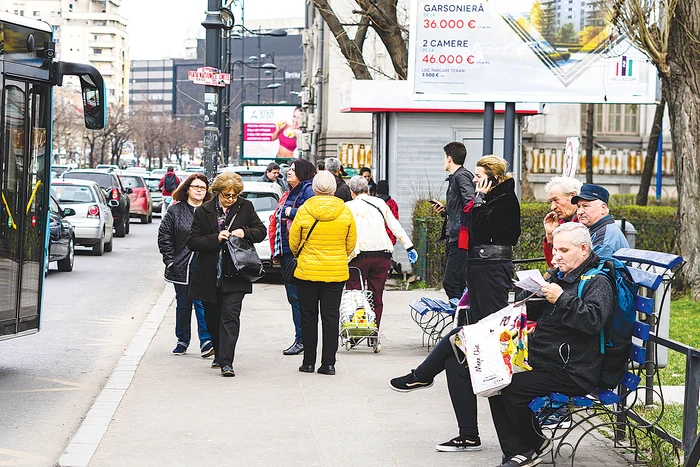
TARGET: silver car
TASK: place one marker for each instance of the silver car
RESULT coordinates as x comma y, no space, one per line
93,221
265,197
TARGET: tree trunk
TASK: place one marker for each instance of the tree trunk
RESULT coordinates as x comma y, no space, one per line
682,92
589,142
645,183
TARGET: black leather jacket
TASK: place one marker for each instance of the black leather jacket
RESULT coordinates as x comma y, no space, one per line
172,242
460,190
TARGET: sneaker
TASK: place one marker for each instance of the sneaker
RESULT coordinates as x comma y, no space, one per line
207,350
180,349
408,383
215,364
227,370
294,349
527,459
459,444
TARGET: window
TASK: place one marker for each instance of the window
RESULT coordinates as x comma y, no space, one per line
36,13
97,51
613,119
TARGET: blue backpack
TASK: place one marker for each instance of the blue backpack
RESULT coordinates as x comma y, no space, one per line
616,335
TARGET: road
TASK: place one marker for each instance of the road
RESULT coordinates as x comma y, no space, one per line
49,380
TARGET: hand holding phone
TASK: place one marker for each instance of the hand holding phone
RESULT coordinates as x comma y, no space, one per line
437,206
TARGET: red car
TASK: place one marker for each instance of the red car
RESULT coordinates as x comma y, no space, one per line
141,202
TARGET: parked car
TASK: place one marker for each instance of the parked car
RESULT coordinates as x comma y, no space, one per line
61,236
92,221
140,197
113,190
152,182
108,167
136,171
265,197
248,173
58,169
158,172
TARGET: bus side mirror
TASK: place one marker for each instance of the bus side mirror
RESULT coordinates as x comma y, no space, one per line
93,90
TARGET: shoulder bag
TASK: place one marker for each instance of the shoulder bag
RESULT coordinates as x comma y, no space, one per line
244,258
288,276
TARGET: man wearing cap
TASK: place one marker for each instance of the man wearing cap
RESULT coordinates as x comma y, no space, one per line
342,191
592,211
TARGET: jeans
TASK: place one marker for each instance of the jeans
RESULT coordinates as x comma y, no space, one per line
514,421
293,299
323,297
375,270
224,320
455,278
489,283
183,317
459,383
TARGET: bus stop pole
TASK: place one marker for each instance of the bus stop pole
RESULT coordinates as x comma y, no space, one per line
212,95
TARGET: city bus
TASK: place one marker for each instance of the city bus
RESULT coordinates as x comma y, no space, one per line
28,73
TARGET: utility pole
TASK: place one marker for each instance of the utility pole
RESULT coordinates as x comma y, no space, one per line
212,101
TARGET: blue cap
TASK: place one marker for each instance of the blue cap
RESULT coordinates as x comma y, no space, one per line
589,192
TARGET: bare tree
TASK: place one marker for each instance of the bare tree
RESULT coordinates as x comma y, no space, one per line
382,17
117,131
668,31
67,120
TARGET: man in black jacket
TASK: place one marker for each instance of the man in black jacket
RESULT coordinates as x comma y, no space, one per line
460,190
342,190
564,350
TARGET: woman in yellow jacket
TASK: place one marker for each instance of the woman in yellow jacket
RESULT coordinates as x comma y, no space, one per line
324,230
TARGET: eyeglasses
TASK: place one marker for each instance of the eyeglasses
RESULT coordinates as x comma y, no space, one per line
228,195
198,187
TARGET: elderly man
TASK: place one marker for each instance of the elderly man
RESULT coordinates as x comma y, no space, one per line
564,352
272,175
559,191
342,190
593,212
372,253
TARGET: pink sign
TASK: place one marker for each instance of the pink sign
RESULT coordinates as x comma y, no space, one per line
258,131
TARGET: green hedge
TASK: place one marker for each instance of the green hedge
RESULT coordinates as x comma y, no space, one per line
655,227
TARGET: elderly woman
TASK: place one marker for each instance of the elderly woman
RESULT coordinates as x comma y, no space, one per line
227,214
322,235
299,179
372,252
179,261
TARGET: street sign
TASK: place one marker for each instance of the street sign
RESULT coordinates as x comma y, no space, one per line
571,157
209,76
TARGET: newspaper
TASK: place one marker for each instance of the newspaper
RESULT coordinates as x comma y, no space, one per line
530,280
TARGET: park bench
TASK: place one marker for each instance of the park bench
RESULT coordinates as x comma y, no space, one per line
432,317
617,410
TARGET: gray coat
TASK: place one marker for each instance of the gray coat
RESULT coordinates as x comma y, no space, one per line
567,335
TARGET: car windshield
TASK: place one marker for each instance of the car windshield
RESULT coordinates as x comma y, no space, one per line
262,201
131,181
72,194
104,180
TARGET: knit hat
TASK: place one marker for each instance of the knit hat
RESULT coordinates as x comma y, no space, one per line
324,183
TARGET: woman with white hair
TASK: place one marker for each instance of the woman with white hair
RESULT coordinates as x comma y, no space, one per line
322,237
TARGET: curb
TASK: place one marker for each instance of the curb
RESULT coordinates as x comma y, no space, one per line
88,437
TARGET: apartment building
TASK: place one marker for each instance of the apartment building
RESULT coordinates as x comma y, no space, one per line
86,31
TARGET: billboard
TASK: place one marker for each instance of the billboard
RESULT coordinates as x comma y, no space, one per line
524,51
270,131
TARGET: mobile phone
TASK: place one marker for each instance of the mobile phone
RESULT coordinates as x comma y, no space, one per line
493,181
436,202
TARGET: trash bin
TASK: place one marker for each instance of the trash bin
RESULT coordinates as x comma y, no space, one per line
628,229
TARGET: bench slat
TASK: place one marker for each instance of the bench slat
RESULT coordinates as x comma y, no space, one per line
646,279
582,401
639,354
608,397
641,331
419,307
631,381
644,305
655,258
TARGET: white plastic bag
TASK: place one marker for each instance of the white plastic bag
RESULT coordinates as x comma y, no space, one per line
490,345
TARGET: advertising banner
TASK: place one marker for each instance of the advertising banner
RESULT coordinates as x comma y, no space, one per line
524,51
271,131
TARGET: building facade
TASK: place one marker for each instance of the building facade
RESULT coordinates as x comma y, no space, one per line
86,31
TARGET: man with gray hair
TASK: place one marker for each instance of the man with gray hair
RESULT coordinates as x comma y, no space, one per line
342,190
593,212
564,353
372,253
559,191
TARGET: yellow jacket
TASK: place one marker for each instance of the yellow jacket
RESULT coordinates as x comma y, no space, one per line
324,257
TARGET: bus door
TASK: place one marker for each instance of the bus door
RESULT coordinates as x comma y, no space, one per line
24,159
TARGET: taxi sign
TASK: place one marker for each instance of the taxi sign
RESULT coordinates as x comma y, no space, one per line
209,76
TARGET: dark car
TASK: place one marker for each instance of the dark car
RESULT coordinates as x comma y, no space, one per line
61,236
113,190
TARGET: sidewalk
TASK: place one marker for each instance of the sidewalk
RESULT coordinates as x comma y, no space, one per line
178,411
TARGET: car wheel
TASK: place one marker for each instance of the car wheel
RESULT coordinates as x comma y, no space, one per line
98,249
127,225
120,228
144,219
109,245
66,264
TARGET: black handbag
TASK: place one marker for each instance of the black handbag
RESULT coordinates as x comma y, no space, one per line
288,276
244,260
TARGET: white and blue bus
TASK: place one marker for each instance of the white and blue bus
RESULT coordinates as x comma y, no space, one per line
28,73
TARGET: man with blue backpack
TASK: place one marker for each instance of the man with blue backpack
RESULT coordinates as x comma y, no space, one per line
565,348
